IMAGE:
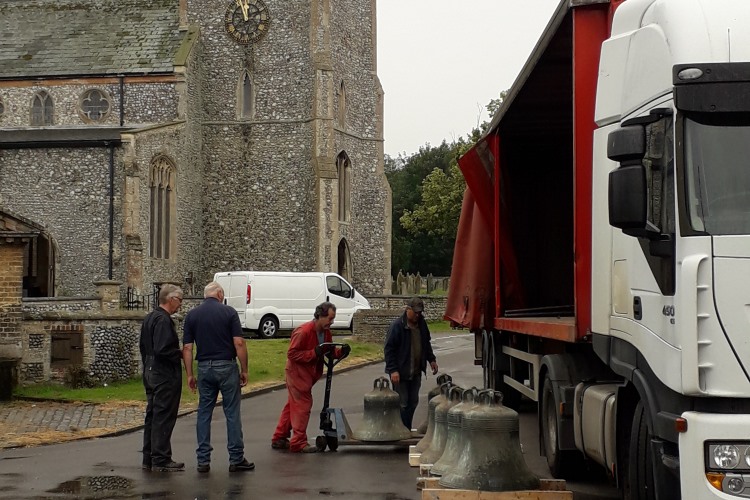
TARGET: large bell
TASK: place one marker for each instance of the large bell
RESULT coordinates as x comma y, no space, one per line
491,459
454,444
382,416
441,379
440,434
426,440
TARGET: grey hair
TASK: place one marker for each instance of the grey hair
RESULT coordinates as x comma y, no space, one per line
167,291
212,290
322,309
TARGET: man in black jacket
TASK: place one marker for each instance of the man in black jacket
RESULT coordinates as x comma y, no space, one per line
407,352
162,378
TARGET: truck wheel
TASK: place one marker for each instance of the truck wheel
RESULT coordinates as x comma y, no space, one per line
562,463
640,481
268,328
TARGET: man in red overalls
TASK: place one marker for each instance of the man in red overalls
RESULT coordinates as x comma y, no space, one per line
304,366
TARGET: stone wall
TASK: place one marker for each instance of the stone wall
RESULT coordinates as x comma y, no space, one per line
371,325
108,335
434,306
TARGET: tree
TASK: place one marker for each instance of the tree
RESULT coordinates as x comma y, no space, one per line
428,190
438,212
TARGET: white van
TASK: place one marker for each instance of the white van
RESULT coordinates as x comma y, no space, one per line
267,301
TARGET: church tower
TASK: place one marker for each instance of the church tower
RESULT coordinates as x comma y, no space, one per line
291,129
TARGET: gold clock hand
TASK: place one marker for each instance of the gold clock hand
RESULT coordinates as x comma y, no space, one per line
243,5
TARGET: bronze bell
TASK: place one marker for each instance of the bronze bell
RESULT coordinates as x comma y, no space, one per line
424,443
382,416
491,459
440,434
454,444
441,379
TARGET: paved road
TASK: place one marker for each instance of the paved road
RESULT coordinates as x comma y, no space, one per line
110,467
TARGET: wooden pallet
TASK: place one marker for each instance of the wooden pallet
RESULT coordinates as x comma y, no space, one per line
549,489
414,456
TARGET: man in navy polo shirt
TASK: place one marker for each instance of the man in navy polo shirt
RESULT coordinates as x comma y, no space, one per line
216,331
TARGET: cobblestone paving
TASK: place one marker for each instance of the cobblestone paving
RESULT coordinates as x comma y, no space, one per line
24,423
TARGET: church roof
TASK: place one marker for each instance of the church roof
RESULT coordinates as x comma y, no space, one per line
40,38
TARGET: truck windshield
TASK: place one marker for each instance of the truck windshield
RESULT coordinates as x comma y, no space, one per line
717,164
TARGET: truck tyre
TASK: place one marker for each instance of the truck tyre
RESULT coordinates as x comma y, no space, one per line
268,327
640,481
562,463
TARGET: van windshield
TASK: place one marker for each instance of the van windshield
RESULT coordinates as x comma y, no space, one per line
338,287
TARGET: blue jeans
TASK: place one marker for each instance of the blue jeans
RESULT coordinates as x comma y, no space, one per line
408,390
215,377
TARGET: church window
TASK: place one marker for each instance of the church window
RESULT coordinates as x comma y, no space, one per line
162,184
344,260
94,105
344,170
342,105
246,95
42,109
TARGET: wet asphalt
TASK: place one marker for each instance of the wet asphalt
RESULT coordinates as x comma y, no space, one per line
110,467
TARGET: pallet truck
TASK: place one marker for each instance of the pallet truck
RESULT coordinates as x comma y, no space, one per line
333,423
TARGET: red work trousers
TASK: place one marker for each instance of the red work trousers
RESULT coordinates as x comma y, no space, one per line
295,416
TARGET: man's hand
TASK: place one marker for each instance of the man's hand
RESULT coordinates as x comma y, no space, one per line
243,379
395,378
192,383
345,350
434,366
318,350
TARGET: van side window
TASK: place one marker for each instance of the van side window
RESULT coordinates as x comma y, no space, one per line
338,287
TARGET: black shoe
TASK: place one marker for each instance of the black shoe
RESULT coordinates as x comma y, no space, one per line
169,467
280,444
146,466
242,466
204,467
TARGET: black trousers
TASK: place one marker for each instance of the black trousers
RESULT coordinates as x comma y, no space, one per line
163,384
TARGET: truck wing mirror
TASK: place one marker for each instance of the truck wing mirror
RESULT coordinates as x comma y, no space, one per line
627,144
628,192
628,202
627,197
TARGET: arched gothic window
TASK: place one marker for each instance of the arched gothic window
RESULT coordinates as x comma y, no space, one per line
342,105
162,183
344,261
344,170
247,96
42,109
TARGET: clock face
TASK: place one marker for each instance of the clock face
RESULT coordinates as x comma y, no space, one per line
246,21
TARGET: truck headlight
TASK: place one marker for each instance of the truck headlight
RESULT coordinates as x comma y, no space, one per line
726,456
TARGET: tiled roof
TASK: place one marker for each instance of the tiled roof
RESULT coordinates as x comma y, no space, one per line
80,37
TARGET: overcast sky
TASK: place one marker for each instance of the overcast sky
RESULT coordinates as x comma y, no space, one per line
441,61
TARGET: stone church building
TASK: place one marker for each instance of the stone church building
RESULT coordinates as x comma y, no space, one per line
146,141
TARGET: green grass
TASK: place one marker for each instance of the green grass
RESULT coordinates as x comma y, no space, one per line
439,326
267,362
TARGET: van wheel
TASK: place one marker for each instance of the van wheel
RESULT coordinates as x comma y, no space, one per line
268,328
